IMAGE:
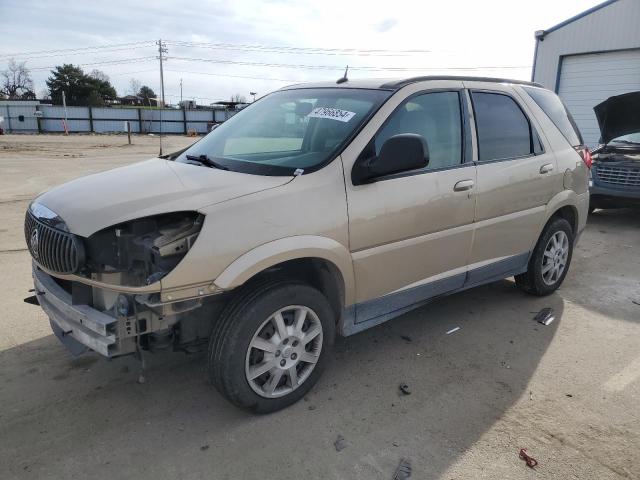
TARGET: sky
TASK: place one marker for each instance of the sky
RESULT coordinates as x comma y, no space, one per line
223,48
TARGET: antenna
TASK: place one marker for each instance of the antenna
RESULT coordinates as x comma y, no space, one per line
344,78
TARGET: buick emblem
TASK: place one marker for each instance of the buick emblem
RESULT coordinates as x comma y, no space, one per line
34,243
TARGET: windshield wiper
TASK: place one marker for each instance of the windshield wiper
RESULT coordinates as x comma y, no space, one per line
209,162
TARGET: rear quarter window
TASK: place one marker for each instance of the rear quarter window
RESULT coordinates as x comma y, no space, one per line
557,112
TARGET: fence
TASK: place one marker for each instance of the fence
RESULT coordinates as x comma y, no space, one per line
49,118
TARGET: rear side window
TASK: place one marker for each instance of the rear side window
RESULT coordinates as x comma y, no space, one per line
551,104
503,129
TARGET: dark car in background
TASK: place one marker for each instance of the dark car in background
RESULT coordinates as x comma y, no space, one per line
615,174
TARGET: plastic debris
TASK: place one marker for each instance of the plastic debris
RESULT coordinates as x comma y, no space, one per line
32,300
340,443
404,389
403,471
453,330
531,462
545,316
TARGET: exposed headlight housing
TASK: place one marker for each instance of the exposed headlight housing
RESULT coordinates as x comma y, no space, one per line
144,250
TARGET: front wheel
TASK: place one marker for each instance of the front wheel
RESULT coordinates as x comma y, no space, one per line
550,260
270,345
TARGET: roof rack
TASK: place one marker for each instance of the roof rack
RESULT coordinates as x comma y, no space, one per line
402,83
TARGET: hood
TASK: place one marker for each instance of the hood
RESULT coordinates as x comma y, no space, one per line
94,202
619,115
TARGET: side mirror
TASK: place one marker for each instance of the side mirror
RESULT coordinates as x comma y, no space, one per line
400,153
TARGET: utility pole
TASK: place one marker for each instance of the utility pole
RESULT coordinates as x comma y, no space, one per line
161,51
180,92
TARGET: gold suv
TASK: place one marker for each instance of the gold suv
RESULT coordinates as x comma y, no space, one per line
318,210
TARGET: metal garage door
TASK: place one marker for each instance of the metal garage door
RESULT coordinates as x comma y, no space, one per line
586,80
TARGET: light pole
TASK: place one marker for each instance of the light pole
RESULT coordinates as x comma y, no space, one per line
254,95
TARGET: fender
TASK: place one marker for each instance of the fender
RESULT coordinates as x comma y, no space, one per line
289,248
562,199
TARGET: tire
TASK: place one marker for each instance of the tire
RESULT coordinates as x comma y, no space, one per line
539,279
246,340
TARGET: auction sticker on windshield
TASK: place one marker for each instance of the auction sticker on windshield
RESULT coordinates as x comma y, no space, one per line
332,113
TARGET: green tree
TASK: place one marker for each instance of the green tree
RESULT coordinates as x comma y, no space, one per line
148,96
79,88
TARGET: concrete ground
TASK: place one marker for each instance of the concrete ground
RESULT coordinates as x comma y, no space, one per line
568,392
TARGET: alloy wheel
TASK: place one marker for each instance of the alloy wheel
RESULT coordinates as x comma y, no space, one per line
284,351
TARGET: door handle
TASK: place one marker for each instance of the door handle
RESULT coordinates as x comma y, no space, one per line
463,185
546,168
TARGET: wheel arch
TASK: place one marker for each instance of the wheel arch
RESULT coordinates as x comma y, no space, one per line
319,261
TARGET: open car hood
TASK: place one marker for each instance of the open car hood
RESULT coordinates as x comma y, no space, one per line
619,115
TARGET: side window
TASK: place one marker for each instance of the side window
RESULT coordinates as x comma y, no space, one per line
503,129
436,116
551,104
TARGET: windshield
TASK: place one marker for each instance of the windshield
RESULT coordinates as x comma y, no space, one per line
629,138
287,130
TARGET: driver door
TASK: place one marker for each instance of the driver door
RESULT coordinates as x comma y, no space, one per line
411,233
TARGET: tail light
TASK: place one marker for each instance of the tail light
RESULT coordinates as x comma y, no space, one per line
585,154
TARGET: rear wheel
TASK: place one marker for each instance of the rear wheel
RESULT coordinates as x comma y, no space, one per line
270,345
550,260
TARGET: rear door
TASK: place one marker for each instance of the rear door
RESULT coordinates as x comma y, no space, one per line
516,177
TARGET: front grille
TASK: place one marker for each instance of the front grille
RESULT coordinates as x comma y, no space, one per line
625,176
53,249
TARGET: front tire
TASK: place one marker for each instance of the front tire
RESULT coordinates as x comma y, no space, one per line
270,345
550,260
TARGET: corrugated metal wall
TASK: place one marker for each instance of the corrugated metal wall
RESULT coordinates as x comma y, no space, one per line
613,27
22,118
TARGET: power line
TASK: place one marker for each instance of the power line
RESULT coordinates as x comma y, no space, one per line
76,49
340,68
297,50
108,62
235,76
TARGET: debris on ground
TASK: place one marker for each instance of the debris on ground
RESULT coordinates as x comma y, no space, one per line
204,447
406,338
403,471
312,407
340,443
635,302
568,395
32,300
404,389
531,462
453,330
545,316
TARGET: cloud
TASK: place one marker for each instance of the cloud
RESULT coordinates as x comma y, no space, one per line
386,25
490,34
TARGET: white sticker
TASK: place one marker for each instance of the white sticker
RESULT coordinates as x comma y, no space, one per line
332,113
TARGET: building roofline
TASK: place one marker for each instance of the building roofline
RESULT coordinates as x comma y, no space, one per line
578,16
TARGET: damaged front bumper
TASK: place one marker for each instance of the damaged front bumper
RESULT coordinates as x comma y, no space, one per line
79,327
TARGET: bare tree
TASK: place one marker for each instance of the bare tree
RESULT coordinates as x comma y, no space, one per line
238,98
99,75
16,80
44,94
134,86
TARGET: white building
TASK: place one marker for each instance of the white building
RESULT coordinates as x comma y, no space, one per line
589,58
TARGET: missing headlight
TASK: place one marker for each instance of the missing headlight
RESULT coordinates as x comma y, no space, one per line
142,251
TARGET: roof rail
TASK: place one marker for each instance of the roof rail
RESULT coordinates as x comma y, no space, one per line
402,83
